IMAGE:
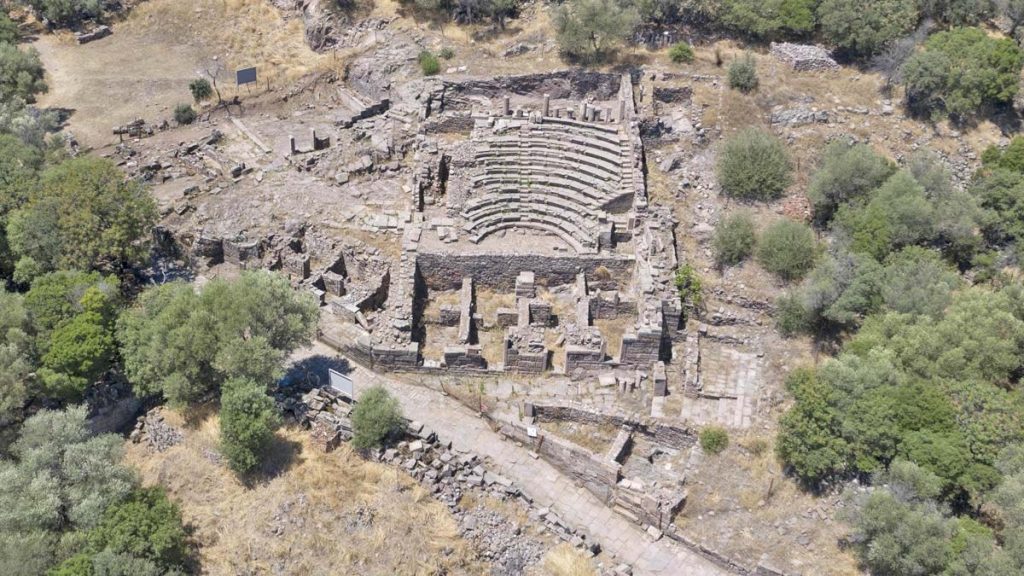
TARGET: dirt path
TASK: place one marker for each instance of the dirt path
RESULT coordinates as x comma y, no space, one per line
115,80
538,479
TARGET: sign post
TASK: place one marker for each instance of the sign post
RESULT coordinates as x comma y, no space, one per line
245,76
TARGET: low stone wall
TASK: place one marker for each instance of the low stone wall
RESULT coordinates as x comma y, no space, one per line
670,435
445,271
593,471
609,305
640,349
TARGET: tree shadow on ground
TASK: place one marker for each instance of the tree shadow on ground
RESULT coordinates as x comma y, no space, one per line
312,372
280,456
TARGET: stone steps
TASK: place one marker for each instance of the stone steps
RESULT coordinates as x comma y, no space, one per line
535,185
575,237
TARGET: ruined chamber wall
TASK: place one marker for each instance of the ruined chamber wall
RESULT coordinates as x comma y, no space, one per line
445,270
574,84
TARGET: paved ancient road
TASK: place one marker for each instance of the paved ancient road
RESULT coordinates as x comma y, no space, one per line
541,481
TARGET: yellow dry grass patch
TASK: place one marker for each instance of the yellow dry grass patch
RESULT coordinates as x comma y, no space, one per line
564,560
239,32
319,514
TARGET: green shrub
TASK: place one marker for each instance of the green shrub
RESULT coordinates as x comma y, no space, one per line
753,165
787,249
200,89
446,53
734,239
66,13
690,288
376,419
248,419
769,19
743,74
791,316
714,439
184,114
429,63
8,30
147,525
991,156
847,173
681,53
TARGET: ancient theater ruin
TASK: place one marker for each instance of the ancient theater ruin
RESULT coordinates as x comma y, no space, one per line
533,232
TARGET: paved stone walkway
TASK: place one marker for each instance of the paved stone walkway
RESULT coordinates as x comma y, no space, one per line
542,482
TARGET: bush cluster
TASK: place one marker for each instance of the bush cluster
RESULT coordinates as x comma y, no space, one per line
753,165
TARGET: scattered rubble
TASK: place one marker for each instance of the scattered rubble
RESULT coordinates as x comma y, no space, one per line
154,431
804,57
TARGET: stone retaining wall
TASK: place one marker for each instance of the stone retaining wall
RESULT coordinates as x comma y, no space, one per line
445,270
593,471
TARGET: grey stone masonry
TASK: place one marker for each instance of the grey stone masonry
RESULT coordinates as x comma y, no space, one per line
620,446
660,379
464,357
334,283
466,311
525,285
240,251
540,313
524,350
507,317
449,315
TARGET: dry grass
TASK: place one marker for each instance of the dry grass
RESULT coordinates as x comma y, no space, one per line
612,331
240,32
319,514
593,437
143,69
564,560
436,299
488,301
741,503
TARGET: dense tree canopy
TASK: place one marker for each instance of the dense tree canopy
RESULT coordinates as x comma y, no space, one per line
934,390
186,344
16,356
591,29
83,215
67,12
769,19
21,73
847,173
865,28
961,72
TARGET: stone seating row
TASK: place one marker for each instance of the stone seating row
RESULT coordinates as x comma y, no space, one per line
611,147
604,138
549,203
518,156
612,162
576,215
528,216
525,178
593,126
614,155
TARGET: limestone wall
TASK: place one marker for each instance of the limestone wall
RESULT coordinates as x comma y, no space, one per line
593,471
445,271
